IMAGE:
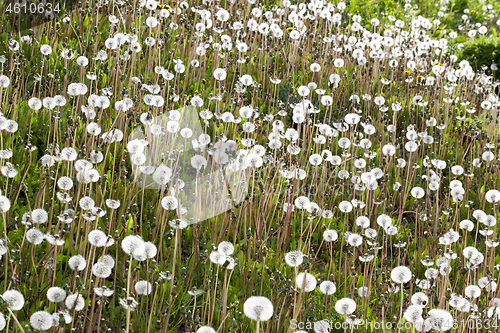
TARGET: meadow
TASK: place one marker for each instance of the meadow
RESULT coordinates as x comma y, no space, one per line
250,166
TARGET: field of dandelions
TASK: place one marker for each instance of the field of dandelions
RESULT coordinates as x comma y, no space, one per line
366,152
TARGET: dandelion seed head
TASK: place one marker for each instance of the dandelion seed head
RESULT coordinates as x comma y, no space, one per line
401,274
77,263
75,301
327,287
258,308
305,281
41,320
56,294
294,258
345,306
143,288
14,299
132,245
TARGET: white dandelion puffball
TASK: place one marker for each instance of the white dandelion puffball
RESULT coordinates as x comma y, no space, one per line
306,281
472,291
132,245
97,238
75,301
107,260
143,287
330,235
205,329
39,215
441,320
419,299
35,236
322,326
4,204
220,74
226,248
41,320
417,192
413,313
14,299
218,258
327,287
492,196
294,258
149,249
401,274
355,240
45,49
345,306
169,203
345,206
77,263
101,270
56,294
258,308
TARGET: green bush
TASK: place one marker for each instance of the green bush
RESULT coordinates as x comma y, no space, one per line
482,52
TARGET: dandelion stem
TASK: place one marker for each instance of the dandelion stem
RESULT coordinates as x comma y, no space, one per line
127,329
15,319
